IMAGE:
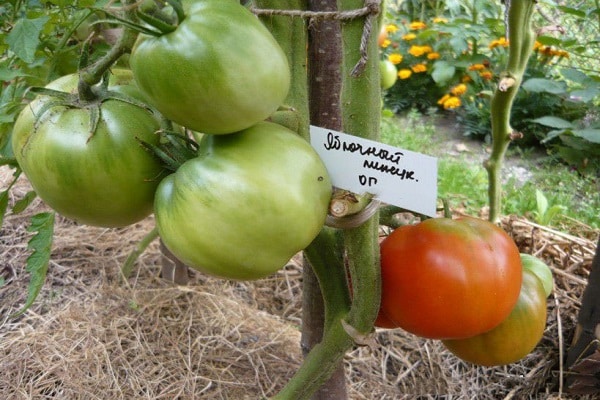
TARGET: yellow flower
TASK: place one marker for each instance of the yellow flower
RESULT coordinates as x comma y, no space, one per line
419,68
404,73
459,89
418,51
439,20
449,102
537,45
391,28
476,67
409,36
466,79
502,42
433,56
443,99
386,43
395,58
417,25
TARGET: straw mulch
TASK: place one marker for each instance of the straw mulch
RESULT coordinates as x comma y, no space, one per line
91,336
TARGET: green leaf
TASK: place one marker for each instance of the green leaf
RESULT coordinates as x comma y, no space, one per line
573,11
589,134
549,41
24,38
542,204
23,203
539,85
554,122
37,262
3,205
442,72
585,95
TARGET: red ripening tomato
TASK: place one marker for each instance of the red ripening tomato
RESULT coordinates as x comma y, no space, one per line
448,279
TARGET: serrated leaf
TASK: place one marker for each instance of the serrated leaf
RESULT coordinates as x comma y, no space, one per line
540,85
442,72
589,134
24,37
37,263
23,203
553,122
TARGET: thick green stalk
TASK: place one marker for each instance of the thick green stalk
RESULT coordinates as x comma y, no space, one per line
361,117
521,38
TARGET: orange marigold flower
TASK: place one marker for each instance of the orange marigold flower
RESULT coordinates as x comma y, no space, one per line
476,67
459,89
417,68
486,75
451,102
466,79
395,58
409,36
417,25
391,28
433,55
537,45
418,51
502,42
386,43
439,20
404,73
443,99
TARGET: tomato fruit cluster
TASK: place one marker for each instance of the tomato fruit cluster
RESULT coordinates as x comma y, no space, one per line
218,72
100,177
445,278
463,281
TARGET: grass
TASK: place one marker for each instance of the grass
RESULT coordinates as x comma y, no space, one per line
555,195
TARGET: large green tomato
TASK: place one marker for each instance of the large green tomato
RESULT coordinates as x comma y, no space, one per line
104,178
219,72
246,204
540,269
516,336
388,74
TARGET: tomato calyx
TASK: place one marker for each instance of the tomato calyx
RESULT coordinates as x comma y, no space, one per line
86,97
161,20
173,150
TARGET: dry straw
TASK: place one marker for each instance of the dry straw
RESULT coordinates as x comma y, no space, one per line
89,336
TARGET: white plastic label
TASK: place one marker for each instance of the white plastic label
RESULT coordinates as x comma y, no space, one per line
394,176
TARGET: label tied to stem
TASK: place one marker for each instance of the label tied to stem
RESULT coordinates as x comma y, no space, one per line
395,176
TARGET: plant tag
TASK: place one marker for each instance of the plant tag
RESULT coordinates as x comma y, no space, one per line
395,176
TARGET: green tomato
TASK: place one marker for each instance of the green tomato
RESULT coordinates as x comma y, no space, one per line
515,337
103,178
219,72
388,74
246,204
540,269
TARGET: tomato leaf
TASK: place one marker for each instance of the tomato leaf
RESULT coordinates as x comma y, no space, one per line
37,262
24,38
23,203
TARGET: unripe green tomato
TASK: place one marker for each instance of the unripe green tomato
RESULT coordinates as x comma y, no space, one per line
515,337
220,71
540,269
102,178
388,74
246,204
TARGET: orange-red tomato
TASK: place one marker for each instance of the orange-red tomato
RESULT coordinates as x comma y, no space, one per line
383,35
448,279
515,337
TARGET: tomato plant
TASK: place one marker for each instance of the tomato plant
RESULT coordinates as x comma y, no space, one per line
445,278
219,71
515,337
246,204
98,176
388,74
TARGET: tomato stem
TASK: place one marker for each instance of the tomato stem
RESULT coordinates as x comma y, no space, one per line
521,38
